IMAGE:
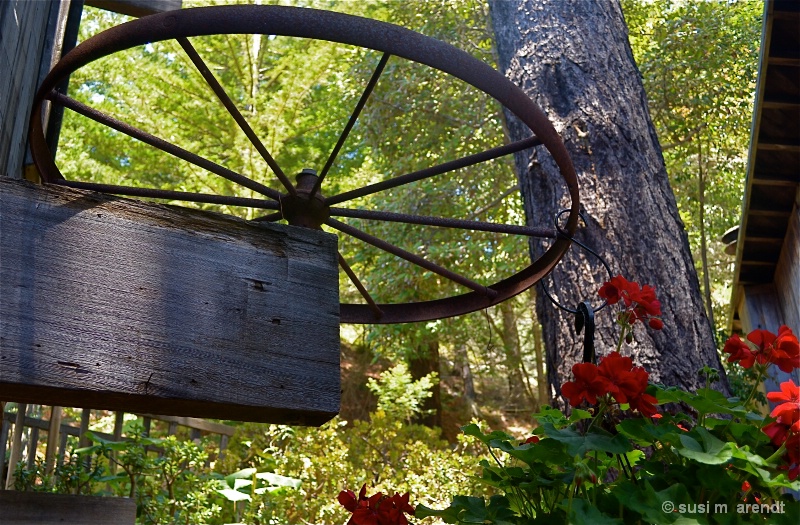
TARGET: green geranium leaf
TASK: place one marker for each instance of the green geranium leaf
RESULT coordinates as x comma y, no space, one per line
656,508
551,415
578,445
578,415
644,432
475,431
546,451
584,513
712,451
499,511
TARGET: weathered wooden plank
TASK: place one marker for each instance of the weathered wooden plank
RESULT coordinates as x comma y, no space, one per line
136,7
23,29
117,304
787,273
52,439
15,454
42,508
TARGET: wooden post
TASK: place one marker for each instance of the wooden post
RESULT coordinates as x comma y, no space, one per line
117,304
119,422
52,439
5,426
16,444
86,416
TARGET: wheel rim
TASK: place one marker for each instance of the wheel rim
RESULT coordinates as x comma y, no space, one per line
303,203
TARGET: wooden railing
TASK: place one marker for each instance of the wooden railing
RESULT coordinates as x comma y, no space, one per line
21,431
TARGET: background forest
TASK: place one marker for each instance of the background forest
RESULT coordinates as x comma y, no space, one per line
407,389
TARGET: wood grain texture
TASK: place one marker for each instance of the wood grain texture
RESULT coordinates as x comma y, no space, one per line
118,304
787,273
23,30
136,7
41,508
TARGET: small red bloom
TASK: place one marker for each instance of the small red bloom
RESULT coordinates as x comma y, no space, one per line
745,486
640,301
532,439
787,411
793,455
348,500
786,350
740,351
762,346
588,384
777,433
376,509
617,288
645,404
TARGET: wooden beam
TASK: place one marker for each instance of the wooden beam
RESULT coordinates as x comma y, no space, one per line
135,8
122,305
42,508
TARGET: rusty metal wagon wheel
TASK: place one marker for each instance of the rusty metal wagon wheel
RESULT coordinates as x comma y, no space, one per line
303,204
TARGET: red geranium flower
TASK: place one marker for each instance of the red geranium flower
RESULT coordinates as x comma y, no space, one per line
793,455
588,384
740,351
617,369
777,432
786,350
762,346
787,411
376,509
617,288
640,301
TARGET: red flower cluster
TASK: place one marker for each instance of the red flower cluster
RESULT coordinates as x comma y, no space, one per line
640,301
786,428
615,375
376,509
764,347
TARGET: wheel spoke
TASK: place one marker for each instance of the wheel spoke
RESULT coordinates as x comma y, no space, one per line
463,162
444,222
359,286
223,97
150,193
186,196
350,123
272,217
410,257
162,144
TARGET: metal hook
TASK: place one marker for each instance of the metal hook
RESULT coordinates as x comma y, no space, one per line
585,318
565,234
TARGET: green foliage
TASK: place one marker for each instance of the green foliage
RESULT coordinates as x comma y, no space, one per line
399,396
698,62
613,464
386,453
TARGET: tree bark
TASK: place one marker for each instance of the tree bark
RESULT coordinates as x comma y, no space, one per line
470,396
572,57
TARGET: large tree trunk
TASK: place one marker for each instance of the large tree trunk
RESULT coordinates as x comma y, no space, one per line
573,59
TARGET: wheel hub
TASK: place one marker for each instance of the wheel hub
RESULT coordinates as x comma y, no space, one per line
303,208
